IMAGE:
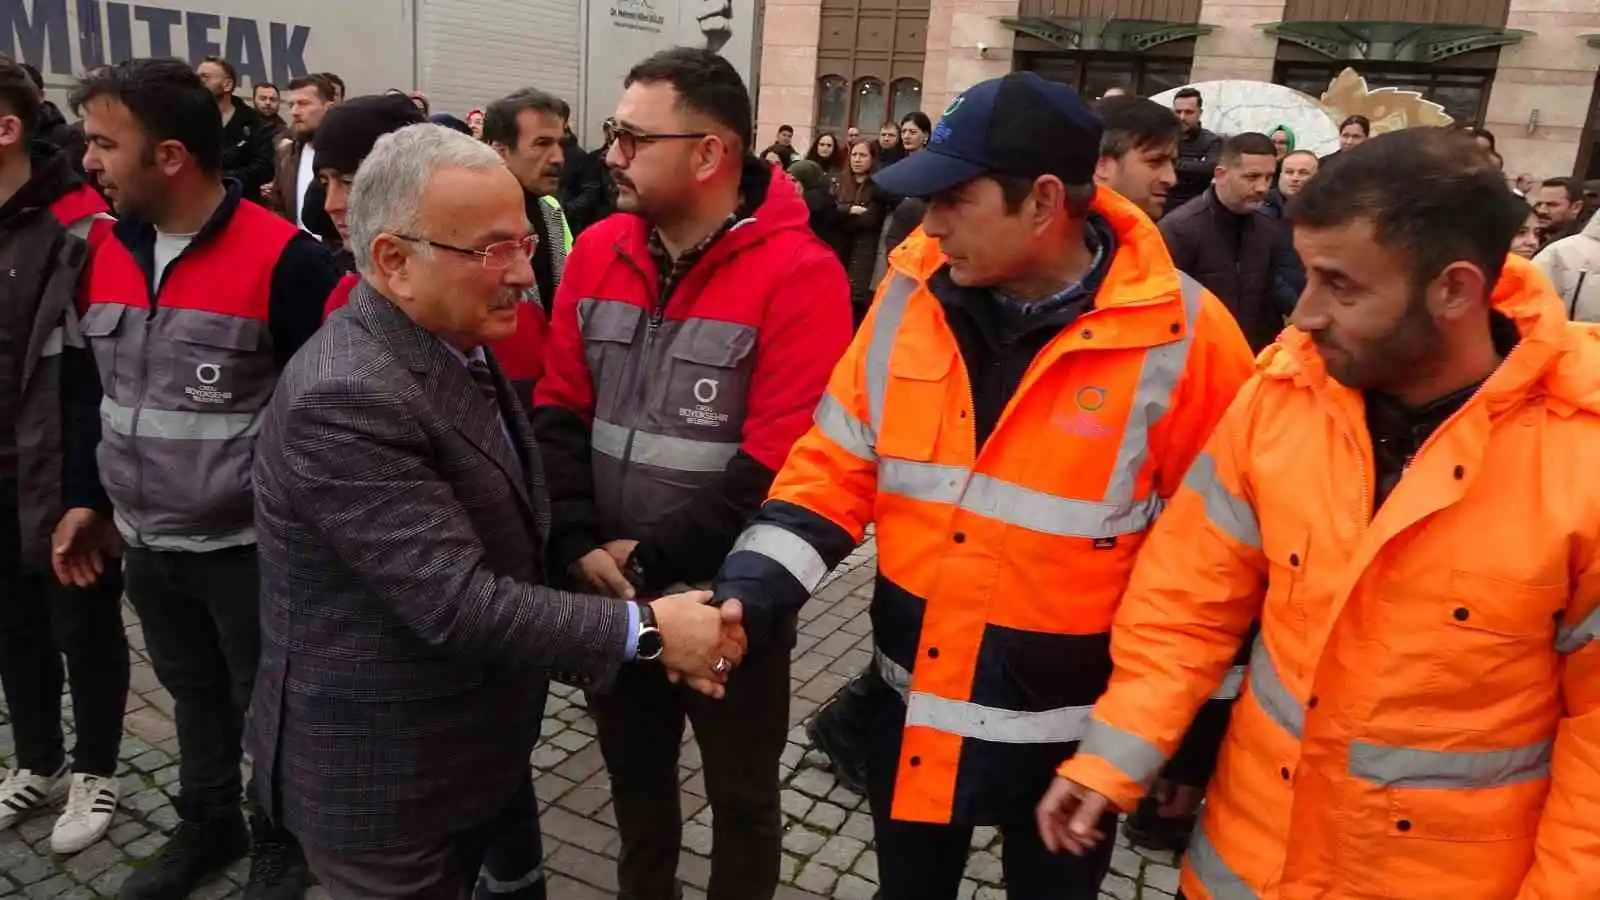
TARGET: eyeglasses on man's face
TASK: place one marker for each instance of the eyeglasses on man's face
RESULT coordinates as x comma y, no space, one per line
627,140
499,255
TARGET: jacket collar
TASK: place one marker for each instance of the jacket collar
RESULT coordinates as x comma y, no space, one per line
1551,358
450,387
137,234
52,180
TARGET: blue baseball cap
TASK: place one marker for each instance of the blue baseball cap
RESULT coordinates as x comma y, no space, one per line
1019,124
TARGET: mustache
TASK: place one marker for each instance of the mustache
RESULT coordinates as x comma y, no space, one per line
551,170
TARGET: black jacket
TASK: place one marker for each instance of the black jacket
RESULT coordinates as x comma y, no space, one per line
585,192
1198,153
1235,257
249,154
52,390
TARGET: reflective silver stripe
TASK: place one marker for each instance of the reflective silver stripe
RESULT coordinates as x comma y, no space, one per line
493,885
984,723
1230,685
1270,693
787,549
1234,515
1408,767
660,450
1572,638
179,425
932,482
894,674
844,429
1219,879
885,326
1159,375
1047,514
1013,504
1136,757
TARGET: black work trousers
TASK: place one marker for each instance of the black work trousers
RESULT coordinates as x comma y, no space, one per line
42,621
741,739
201,629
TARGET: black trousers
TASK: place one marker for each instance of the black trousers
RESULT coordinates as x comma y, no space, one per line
917,861
741,739
201,629
513,861
41,622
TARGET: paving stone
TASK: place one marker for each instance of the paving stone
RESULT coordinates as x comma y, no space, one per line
867,866
795,804
826,816
589,868
580,831
49,889
840,852
95,859
697,837
817,877
145,847
110,881
1162,878
854,887
984,867
1120,888
125,832
1127,863
813,782
803,842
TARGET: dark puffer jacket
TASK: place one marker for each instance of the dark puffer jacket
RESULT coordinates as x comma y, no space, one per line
1234,256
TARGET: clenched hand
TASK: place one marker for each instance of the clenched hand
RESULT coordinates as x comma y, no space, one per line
700,643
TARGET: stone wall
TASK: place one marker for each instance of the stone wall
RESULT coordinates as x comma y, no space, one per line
1552,71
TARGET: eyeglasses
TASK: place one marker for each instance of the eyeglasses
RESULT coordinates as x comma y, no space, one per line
498,255
628,140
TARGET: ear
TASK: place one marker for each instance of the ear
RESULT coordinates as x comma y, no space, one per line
170,156
1461,289
708,157
1049,202
391,263
11,131
1104,168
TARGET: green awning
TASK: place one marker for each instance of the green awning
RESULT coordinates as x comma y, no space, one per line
1085,33
1392,41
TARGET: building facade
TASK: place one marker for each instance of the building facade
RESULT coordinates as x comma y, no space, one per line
1524,69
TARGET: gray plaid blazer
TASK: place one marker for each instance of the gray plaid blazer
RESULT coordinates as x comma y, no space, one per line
405,642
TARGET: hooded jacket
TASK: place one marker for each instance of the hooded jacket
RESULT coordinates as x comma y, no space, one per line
1421,717
1573,265
663,418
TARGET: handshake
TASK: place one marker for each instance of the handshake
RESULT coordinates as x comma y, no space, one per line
700,644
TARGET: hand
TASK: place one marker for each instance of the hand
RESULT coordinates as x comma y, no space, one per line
1175,801
81,542
598,571
268,191
1069,817
700,643
620,551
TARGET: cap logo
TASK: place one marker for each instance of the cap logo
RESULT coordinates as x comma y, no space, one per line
954,105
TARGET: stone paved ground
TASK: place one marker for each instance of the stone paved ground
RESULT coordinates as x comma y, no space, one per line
827,849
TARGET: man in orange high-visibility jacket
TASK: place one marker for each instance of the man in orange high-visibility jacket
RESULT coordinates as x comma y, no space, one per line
1407,497
1032,382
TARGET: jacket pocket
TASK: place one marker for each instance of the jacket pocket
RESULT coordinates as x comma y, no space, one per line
708,384
608,329
212,362
102,327
914,402
1286,547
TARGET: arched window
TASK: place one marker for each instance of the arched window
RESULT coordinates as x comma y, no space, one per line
871,108
905,96
833,103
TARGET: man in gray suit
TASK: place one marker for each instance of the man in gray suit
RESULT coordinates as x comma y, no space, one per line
407,640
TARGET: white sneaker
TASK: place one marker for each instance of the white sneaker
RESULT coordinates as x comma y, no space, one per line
90,804
24,793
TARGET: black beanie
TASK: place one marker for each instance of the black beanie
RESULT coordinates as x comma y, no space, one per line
349,130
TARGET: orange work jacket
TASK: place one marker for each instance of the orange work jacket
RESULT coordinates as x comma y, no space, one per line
999,569
1421,716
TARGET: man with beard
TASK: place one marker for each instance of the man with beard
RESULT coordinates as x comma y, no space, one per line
527,129
1137,151
266,99
196,303
1405,496
690,343
294,192
1199,150
1227,243
247,147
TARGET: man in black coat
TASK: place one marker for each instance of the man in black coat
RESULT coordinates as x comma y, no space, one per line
247,137
1223,240
1198,151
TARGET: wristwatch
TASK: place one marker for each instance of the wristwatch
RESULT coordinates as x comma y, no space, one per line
648,645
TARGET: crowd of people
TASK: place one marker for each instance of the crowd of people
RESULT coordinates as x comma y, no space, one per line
1189,458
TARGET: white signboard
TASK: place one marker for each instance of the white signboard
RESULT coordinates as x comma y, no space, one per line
265,41
624,32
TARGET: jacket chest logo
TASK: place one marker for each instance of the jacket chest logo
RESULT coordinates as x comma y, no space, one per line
205,390
704,411
1083,420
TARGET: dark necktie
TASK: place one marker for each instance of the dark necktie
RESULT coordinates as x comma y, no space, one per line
479,369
